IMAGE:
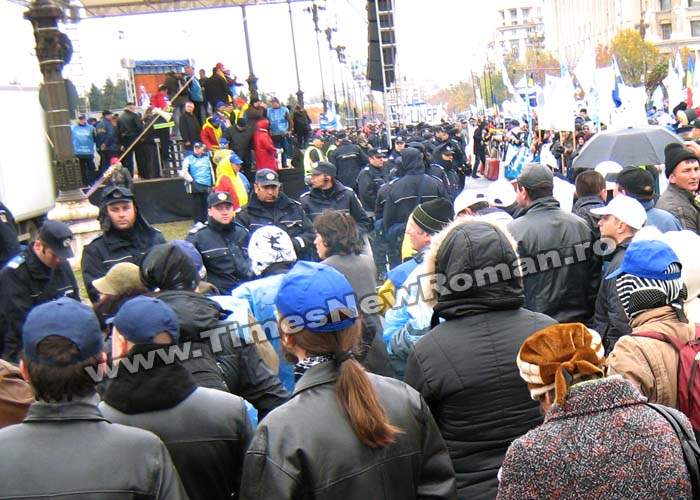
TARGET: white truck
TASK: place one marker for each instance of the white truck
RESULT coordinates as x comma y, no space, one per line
26,177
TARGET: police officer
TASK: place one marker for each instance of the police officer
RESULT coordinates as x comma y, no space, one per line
39,274
9,247
223,244
404,195
371,178
348,159
444,170
444,140
314,153
269,205
126,237
327,193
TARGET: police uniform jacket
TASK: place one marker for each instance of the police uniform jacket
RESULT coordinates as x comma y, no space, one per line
9,247
224,249
338,197
349,159
285,213
25,282
113,247
369,181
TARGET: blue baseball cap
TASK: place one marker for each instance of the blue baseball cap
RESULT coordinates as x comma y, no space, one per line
316,297
140,319
65,318
234,158
648,259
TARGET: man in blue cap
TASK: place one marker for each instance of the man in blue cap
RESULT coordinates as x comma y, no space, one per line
89,457
652,293
38,274
206,430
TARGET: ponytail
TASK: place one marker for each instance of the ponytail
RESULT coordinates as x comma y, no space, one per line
361,404
353,388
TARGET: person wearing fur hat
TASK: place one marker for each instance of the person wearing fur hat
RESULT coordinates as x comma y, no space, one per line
680,197
652,293
463,367
599,438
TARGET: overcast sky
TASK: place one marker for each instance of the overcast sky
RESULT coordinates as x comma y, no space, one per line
437,42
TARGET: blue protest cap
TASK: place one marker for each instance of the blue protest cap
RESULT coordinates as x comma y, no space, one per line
316,297
648,259
234,158
140,319
65,318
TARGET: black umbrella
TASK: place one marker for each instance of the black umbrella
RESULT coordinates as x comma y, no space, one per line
628,147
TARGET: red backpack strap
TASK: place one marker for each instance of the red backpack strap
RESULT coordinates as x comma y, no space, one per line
675,342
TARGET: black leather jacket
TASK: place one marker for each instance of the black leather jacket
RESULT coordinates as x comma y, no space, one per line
306,449
70,450
561,272
224,250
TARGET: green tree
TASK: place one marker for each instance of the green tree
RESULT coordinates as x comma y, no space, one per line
95,97
640,61
457,97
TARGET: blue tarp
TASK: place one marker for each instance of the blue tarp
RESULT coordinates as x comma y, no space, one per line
159,66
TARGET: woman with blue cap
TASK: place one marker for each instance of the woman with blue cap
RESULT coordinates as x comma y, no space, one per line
345,433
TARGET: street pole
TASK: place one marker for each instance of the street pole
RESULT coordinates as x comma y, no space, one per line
53,50
252,80
300,94
329,34
314,15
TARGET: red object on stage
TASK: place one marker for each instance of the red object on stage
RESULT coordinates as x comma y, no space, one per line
492,168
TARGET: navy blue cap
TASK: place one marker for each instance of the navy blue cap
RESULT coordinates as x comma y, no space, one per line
267,177
324,168
219,197
116,194
648,259
140,319
58,237
65,318
316,297
193,254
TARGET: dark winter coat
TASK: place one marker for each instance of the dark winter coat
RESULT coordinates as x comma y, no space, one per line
113,247
217,89
610,319
465,367
206,431
561,271
190,129
338,197
306,448
603,442
369,180
25,282
9,246
129,126
349,159
410,190
224,363
89,457
583,207
240,141
680,203
224,250
285,213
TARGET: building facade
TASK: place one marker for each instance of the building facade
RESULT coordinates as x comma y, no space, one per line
519,26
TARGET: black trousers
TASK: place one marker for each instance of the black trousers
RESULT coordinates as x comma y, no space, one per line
147,160
199,206
87,169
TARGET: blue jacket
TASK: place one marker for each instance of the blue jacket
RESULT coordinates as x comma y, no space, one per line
199,167
83,139
195,91
106,134
660,219
260,295
279,125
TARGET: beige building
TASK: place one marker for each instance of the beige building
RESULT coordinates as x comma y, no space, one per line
519,25
571,26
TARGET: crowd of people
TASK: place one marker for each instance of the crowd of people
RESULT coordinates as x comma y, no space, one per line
393,333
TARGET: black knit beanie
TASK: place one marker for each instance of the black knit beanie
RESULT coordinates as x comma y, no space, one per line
433,215
675,153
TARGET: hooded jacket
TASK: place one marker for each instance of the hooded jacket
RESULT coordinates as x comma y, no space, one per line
410,190
114,246
583,207
265,150
349,159
561,271
465,367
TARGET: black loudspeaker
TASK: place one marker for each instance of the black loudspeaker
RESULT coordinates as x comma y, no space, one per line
380,26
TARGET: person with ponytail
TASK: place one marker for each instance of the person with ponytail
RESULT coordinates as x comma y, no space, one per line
344,433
